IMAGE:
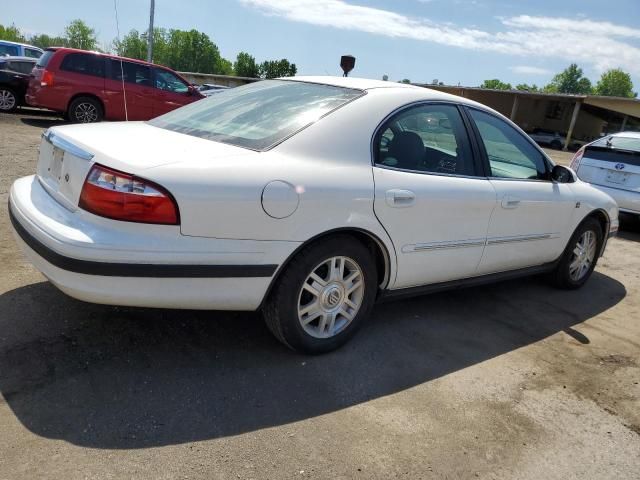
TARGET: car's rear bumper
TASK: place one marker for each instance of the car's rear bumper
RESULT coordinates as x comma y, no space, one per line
628,202
105,261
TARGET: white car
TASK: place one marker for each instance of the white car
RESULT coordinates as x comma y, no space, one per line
308,198
612,164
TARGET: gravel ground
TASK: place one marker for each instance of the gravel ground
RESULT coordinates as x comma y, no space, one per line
514,380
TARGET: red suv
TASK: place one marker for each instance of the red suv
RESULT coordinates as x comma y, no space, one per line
89,86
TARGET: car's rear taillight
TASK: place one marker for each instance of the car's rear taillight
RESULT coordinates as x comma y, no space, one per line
121,196
47,79
575,161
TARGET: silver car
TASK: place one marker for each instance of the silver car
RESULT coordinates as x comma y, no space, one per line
612,164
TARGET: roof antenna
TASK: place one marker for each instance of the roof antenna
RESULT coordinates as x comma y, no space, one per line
124,91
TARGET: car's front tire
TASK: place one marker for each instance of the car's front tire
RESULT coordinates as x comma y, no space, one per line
323,295
8,100
85,110
580,256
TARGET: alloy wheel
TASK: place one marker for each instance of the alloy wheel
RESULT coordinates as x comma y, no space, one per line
7,100
86,112
584,254
330,297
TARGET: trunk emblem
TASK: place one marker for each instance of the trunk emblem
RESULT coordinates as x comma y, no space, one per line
619,166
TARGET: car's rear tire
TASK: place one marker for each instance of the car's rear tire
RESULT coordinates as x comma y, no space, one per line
580,256
85,110
8,100
323,295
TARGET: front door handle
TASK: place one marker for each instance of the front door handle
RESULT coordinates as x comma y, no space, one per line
510,202
400,198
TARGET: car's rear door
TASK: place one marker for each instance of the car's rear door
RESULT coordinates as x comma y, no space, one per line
429,194
80,73
529,224
170,92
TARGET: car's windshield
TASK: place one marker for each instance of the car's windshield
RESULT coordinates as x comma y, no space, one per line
257,115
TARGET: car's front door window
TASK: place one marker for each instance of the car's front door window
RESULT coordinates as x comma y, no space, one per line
510,154
168,81
426,138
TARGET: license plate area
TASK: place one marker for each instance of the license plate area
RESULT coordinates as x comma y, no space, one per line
55,167
619,178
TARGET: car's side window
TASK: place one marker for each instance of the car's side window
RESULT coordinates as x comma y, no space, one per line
30,52
510,154
11,50
83,63
133,72
425,138
168,81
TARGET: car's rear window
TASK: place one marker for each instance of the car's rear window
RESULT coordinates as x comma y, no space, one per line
619,142
615,149
43,61
257,115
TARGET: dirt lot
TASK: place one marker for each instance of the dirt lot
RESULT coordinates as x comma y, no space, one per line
515,380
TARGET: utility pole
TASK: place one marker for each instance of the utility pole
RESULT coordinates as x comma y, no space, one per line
150,34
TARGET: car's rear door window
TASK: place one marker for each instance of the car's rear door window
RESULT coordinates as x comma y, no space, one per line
428,138
83,63
32,52
258,115
510,154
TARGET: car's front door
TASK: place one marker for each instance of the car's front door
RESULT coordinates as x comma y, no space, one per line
170,92
429,195
529,224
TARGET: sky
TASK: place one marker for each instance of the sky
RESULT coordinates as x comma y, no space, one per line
454,41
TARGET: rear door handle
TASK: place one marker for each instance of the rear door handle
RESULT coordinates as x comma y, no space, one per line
400,198
510,202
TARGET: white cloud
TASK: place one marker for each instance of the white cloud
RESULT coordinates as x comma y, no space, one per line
528,70
600,45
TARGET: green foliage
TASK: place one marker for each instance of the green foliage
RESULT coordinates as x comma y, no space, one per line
615,83
80,35
527,88
44,41
405,80
11,33
246,66
277,68
496,84
570,80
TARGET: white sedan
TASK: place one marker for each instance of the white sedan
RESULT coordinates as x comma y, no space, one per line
308,198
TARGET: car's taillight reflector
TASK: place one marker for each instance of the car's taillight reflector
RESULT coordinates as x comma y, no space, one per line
120,196
47,79
575,161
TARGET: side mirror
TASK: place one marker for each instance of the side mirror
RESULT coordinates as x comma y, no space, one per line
193,90
562,174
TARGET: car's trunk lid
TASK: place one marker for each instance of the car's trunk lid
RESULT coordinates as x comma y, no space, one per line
67,153
610,167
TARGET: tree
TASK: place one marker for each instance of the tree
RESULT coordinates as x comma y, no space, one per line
527,88
43,41
277,68
80,35
405,80
495,84
11,33
615,83
246,66
132,45
570,80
